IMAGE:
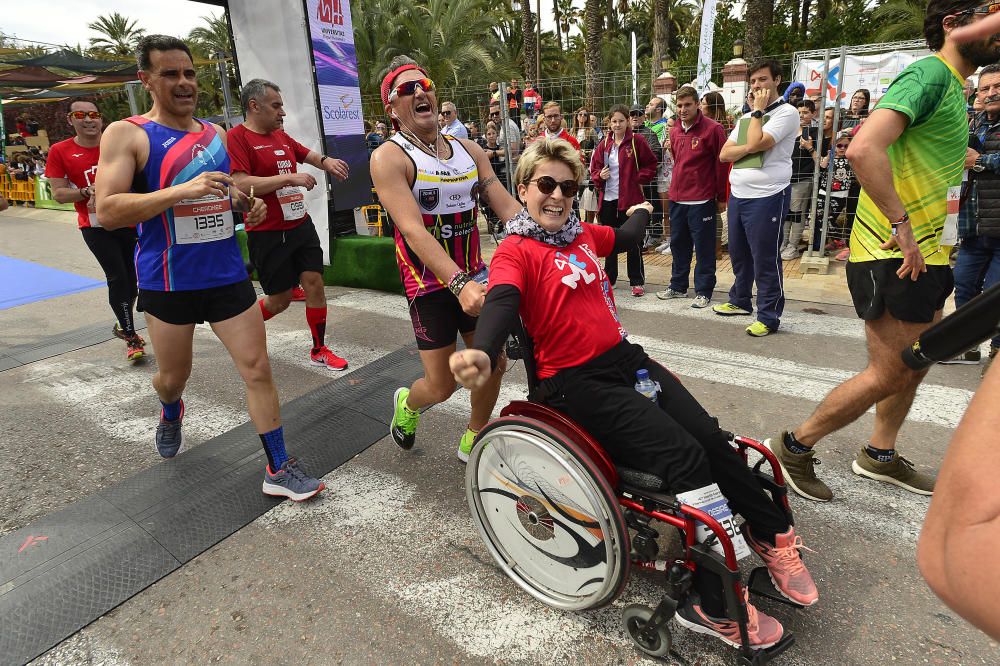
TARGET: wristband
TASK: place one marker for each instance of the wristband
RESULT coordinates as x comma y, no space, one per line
905,219
457,282
324,158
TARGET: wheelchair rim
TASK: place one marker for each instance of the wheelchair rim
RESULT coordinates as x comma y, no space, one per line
563,543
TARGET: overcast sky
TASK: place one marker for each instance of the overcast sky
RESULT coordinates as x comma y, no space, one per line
65,21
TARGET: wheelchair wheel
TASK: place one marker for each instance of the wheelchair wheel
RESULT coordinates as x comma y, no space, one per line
634,619
548,517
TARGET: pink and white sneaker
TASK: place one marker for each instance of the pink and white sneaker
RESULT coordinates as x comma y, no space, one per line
763,630
785,566
324,357
638,290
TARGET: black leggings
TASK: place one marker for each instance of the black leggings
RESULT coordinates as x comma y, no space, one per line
610,216
674,438
115,252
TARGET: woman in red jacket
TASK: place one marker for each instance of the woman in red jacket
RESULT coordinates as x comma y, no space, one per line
622,163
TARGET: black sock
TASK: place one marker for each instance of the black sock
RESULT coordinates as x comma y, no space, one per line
880,455
793,445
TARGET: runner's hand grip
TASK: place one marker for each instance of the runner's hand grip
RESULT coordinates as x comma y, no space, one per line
974,322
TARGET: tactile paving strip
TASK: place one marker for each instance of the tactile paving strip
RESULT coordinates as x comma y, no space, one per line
67,569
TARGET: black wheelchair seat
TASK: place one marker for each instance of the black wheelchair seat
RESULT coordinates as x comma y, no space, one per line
639,479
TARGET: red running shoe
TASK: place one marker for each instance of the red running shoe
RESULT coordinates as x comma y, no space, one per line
762,629
298,293
638,291
324,357
784,565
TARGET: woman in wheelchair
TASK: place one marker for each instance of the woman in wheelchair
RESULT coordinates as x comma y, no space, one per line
547,271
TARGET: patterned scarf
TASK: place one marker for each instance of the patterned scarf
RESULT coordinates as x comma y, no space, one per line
522,224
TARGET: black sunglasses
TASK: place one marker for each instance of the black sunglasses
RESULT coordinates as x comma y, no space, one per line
446,113
547,185
636,114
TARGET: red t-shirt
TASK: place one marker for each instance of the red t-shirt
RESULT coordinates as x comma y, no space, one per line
266,155
68,159
567,304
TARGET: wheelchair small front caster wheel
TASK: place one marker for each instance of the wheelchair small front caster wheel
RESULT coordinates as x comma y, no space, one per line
634,620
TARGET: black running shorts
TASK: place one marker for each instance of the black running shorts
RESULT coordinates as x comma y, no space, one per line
280,257
875,287
200,305
438,318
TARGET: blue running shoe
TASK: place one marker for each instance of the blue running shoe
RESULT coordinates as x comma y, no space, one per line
168,435
291,482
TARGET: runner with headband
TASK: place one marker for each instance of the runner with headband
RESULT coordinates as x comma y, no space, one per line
431,186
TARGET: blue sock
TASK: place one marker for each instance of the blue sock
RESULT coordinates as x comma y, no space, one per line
793,445
274,447
172,411
881,455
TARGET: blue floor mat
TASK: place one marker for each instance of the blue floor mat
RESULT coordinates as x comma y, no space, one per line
26,282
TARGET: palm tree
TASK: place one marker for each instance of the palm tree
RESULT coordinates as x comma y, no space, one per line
206,41
593,23
901,19
759,17
528,36
213,37
120,35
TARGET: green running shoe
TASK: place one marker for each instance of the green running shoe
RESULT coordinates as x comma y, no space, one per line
404,420
465,446
758,330
728,310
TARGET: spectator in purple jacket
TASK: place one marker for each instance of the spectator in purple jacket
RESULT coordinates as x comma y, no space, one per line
622,163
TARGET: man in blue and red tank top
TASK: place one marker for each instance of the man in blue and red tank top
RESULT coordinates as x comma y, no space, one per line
431,185
284,247
167,173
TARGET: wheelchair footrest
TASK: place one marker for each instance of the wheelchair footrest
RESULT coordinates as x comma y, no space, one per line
761,585
760,657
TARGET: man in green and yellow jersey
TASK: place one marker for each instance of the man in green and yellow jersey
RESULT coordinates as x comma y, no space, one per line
909,156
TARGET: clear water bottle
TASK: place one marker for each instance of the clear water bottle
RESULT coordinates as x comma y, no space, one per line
645,385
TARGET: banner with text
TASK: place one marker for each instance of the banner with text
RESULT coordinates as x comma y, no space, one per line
332,33
705,47
872,72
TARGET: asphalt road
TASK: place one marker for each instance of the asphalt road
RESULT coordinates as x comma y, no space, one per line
386,566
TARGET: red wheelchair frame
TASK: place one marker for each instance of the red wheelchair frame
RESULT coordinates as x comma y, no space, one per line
648,627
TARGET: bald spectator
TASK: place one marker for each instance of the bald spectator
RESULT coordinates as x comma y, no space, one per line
452,125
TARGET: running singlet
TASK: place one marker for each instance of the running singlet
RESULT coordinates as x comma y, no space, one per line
191,245
927,162
445,191
68,159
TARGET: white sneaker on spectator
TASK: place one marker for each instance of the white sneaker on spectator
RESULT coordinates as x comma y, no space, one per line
665,245
666,250
790,252
701,302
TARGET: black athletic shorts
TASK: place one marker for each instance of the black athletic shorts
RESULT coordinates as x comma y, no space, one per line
438,318
200,305
875,286
280,257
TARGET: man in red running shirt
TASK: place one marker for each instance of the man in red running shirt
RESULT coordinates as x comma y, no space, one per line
72,169
284,248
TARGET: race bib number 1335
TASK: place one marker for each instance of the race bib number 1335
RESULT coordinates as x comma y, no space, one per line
203,220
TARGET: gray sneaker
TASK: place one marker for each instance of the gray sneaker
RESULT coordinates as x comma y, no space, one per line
701,302
168,435
669,293
898,471
799,470
291,482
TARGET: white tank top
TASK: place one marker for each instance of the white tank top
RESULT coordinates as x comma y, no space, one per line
442,186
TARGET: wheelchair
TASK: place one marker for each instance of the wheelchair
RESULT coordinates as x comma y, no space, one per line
567,525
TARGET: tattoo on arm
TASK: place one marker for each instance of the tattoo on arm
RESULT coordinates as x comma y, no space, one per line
484,196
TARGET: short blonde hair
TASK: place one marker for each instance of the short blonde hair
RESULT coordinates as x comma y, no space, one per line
547,150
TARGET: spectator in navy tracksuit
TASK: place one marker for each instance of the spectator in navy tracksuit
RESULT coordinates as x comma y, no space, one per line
698,190
622,163
759,200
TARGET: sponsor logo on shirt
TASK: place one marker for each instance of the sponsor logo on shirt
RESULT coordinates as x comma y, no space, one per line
279,152
77,154
169,142
577,270
429,198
